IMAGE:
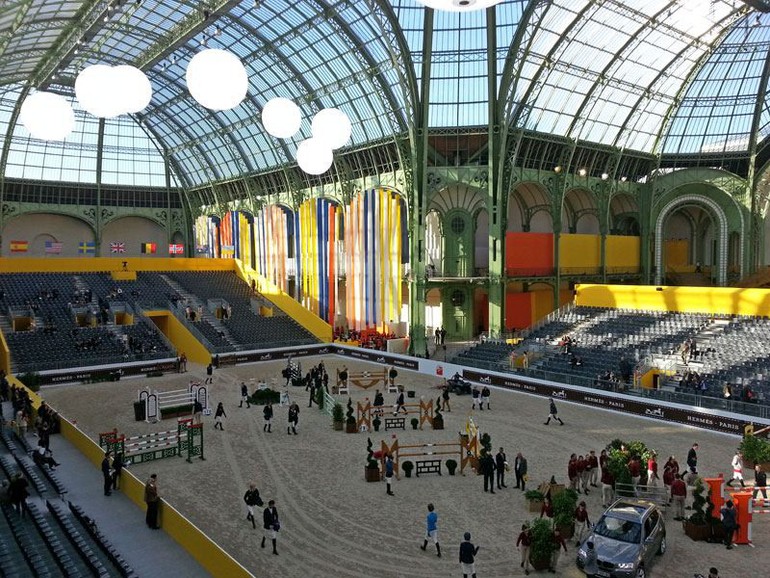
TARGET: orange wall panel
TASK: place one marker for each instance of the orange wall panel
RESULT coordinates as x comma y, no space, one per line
518,310
530,253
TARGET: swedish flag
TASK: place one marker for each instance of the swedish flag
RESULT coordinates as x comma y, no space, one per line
87,248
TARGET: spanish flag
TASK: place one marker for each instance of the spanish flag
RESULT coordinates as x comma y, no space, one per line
19,246
149,248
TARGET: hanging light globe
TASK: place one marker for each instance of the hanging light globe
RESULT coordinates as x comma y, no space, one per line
332,126
217,79
95,91
314,156
47,116
281,117
459,5
132,88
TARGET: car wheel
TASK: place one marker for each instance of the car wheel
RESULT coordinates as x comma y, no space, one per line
663,546
640,573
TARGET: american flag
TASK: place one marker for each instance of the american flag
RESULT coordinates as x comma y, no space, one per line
53,247
117,247
175,249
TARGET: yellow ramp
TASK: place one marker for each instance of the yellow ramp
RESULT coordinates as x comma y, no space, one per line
184,341
308,319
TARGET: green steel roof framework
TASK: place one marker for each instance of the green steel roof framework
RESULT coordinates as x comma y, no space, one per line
576,76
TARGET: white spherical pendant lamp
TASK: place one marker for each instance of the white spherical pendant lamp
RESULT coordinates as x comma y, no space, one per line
332,126
47,116
94,89
314,157
217,79
281,117
459,5
132,88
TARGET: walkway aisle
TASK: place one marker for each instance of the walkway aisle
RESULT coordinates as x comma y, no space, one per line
151,554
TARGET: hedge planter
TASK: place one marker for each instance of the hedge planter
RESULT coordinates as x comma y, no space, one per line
372,474
176,411
350,427
696,532
407,467
337,425
438,423
262,396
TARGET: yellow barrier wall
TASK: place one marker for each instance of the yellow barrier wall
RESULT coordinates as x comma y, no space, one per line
5,355
96,264
208,554
714,300
579,251
184,341
622,252
286,303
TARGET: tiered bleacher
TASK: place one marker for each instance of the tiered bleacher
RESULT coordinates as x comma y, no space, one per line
600,347
56,320
248,329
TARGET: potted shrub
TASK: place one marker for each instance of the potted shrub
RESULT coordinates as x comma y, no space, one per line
696,526
376,423
350,421
372,469
338,416
542,544
407,466
564,505
535,499
755,451
415,422
438,418
451,466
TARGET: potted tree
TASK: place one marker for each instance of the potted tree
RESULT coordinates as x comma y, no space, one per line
438,418
372,469
376,423
564,505
535,499
755,451
696,526
338,417
415,422
451,466
350,421
541,548
407,466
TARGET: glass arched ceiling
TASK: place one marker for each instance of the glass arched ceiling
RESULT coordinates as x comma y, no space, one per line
657,76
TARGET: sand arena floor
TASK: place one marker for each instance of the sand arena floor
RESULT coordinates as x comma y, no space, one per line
336,524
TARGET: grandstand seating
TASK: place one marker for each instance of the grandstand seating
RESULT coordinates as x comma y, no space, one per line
731,350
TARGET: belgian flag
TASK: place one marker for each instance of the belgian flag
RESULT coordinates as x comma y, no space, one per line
149,248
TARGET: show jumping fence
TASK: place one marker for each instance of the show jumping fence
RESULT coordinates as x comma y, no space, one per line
186,440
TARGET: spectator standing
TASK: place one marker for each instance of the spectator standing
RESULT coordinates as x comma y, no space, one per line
267,413
692,459
117,469
219,415
501,461
523,542
592,469
678,495
209,373
197,412
271,525
244,395
152,499
553,413
18,492
468,556
487,468
476,396
608,487
730,523
445,399
107,473
760,483
431,530
652,471
520,471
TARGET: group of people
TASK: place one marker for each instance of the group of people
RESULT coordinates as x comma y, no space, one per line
271,525
583,470
111,466
368,339
480,397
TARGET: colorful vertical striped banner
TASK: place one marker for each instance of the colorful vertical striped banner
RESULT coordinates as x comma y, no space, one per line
273,227
318,231
212,226
374,241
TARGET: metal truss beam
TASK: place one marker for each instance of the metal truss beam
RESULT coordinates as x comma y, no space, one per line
22,8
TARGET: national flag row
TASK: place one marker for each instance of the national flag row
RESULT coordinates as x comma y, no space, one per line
89,247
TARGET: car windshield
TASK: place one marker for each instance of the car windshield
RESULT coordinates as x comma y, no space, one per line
618,529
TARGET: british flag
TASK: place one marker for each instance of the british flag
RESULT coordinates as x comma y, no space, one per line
117,247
